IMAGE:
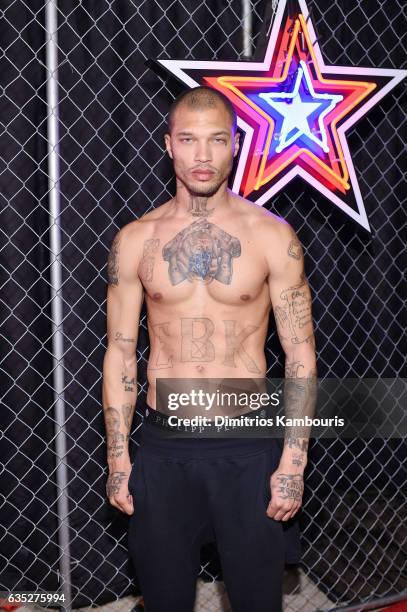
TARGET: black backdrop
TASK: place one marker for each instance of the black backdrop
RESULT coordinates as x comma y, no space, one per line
112,119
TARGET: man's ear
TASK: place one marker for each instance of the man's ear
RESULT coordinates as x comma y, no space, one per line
167,140
237,144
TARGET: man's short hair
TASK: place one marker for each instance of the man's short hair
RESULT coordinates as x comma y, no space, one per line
202,97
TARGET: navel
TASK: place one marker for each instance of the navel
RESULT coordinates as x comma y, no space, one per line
245,297
200,368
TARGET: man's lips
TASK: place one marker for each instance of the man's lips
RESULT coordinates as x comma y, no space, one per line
202,173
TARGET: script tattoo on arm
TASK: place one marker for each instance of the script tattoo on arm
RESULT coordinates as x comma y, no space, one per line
129,383
120,338
113,262
146,268
115,439
293,318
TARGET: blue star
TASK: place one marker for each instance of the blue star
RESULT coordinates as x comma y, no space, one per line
296,111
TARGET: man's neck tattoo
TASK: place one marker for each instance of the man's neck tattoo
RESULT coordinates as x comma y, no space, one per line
197,206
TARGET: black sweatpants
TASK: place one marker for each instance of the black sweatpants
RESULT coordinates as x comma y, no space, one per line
187,492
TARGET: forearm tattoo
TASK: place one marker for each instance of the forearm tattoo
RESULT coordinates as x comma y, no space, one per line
297,459
115,439
127,412
115,446
297,443
300,395
293,369
129,384
120,338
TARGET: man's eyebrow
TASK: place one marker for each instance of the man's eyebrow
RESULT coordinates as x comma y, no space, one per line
224,132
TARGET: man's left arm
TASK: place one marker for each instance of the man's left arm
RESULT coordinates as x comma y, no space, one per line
291,301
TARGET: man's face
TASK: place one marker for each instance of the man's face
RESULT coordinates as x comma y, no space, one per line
202,146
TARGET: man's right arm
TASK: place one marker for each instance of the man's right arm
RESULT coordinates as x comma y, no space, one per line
119,393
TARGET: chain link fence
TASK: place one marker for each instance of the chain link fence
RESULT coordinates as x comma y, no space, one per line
112,116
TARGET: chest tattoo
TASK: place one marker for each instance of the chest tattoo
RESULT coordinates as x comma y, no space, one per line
201,251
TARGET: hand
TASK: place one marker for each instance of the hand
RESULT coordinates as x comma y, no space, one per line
117,489
287,488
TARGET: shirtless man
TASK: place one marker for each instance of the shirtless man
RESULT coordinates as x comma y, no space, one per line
210,266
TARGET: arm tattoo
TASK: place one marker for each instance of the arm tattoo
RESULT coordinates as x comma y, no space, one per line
294,317
120,338
115,447
297,459
129,383
115,439
292,368
112,418
127,412
299,444
113,262
294,249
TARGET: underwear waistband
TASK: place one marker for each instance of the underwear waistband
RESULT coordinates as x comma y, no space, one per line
156,435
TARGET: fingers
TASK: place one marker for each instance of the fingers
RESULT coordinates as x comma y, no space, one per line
281,514
281,511
122,502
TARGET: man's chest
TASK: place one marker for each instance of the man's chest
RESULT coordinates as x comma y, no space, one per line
202,260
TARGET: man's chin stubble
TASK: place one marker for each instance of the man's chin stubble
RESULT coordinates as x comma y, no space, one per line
206,192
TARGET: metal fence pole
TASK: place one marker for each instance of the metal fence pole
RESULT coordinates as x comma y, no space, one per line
51,27
247,27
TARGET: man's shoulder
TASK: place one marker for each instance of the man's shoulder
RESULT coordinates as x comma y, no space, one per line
143,228
264,222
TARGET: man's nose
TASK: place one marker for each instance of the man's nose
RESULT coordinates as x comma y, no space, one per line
203,151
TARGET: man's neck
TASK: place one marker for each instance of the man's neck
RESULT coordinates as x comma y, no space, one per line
200,206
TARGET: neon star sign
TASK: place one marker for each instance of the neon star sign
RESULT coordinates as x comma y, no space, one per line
294,112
